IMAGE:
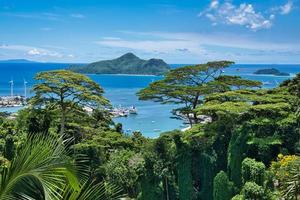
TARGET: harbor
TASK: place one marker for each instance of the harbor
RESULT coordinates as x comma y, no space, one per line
14,100
123,111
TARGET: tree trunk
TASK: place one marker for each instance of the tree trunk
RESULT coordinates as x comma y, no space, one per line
167,187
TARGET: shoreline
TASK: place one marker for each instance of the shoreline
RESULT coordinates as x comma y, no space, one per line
126,75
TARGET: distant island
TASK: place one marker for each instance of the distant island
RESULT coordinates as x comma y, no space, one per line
271,71
126,64
17,61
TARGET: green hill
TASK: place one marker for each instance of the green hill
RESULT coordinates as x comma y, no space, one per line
272,71
126,64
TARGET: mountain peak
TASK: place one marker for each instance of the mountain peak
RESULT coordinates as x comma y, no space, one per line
126,64
129,56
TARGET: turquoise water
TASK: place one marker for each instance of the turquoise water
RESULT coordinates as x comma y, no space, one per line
152,117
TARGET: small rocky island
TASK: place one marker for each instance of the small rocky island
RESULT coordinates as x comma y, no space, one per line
271,71
126,64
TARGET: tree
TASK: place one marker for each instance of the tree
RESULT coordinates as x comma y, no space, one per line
123,169
188,85
9,147
223,188
68,91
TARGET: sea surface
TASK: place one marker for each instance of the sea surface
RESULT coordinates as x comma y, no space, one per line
153,118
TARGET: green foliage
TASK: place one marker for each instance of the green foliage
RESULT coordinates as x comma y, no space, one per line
9,148
238,197
253,171
123,169
286,172
187,86
253,191
184,166
236,153
41,168
126,64
223,188
67,91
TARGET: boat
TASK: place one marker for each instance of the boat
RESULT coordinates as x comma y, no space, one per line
123,112
133,110
267,83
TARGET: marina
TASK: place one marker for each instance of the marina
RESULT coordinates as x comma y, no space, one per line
123,111
14,100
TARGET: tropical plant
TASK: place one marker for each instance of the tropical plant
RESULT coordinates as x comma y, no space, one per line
38,171
41,169
287,174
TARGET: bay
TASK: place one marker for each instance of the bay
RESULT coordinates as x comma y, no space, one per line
153,118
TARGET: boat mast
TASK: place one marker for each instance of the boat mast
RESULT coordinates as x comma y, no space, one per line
11,88
25,89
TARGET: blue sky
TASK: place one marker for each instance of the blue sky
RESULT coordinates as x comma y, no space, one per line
178,31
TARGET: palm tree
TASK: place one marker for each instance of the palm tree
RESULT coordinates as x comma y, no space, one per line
42,170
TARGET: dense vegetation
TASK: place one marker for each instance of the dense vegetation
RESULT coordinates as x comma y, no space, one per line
126,64
271,71
247,149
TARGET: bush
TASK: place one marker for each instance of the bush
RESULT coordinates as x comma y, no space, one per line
252,191
238,197
253,171
223,188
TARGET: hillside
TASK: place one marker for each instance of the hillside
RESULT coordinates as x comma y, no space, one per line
126,64
272,71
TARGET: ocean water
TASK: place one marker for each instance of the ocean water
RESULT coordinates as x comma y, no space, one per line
153,118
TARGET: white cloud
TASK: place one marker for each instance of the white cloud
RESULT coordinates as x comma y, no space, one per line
193,43
39,16
186,47
77,15
111,38
214,4
162,45
243,14
34,52
284,9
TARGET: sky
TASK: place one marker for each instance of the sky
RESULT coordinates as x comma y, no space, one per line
178,31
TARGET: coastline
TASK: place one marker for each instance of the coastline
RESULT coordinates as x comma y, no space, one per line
126,75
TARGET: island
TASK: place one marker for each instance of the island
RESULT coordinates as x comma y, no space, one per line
271,71
126,64
17,61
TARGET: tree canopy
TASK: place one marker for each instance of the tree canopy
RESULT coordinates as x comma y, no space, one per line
68,91
188,85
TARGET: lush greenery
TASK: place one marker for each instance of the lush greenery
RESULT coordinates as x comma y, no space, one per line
126,64
247,150
271,71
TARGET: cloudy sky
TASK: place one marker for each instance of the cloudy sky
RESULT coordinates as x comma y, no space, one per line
178,31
